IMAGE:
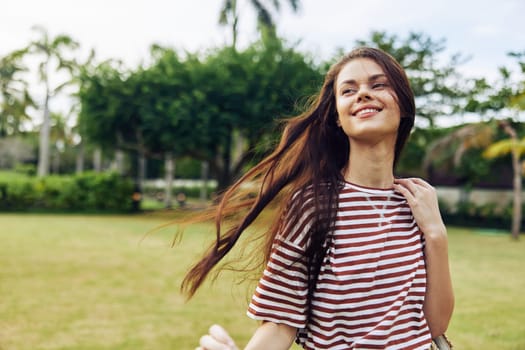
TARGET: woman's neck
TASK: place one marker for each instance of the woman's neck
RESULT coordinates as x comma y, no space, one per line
370,166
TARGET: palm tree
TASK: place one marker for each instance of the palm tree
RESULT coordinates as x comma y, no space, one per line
60,138
469,136
518,100
50,51
481,135
14,95
516,148
476,135
229,14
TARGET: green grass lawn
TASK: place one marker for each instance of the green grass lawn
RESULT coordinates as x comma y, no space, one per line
90,282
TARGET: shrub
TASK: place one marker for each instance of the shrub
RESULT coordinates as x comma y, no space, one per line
26,169
85,192
488,215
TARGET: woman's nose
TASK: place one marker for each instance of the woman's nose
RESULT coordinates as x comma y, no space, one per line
363,94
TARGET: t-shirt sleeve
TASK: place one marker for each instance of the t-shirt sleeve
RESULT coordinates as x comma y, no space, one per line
281,294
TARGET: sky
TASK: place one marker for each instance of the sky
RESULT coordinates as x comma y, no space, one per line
484,30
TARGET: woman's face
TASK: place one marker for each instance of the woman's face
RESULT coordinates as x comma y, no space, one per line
366,104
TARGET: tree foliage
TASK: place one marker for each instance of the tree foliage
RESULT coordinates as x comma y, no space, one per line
219,107
229,15
14,94
468,141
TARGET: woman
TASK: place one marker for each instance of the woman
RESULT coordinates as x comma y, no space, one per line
358,259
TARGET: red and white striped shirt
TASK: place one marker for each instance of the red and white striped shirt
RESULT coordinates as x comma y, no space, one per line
372,282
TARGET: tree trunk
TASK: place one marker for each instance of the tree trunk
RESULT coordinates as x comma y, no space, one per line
79,161
55,164
224,177
235,23
141,171
204,178
97,160
169,165
118,164
516,181
516,209
43,146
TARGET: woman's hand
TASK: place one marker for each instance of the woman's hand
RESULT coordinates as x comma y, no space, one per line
423,201
217,339
268,335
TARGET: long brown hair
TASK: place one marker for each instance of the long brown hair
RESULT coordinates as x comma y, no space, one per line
311,154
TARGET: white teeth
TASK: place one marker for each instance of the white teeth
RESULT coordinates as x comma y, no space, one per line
367,110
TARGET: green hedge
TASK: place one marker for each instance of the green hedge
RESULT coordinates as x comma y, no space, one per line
488,215
85,192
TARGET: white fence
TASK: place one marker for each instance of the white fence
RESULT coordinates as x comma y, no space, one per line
452,195
161,184
449,195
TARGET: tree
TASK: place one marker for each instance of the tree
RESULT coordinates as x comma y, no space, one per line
219,107
14,95
490,101
516,147
235,124
496,100
458,151
60,138
106,101
514,98
229,15
460,140
52,59
518,99
132,111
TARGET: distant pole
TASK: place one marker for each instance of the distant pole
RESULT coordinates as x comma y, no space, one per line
204,178
79,163
119,162
141,170
43,146
97,160
169,171
516,182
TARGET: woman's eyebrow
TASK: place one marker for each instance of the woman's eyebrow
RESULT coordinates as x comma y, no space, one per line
377,77
370,78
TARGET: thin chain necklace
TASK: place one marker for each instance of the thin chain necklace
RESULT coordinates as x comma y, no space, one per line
384,220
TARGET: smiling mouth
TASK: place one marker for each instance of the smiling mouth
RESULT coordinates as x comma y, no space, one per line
366,111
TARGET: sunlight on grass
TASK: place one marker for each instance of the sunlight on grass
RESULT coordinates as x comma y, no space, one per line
91,282
488,283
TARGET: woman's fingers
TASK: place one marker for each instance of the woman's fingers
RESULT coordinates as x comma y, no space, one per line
411,184
403,189
423,201
208,342
217,339
221,335
407,189
415,188
420,182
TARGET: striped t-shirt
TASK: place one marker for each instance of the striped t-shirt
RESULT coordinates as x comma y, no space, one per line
372,282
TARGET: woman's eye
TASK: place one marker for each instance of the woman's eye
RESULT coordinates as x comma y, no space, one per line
348,91
379,86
